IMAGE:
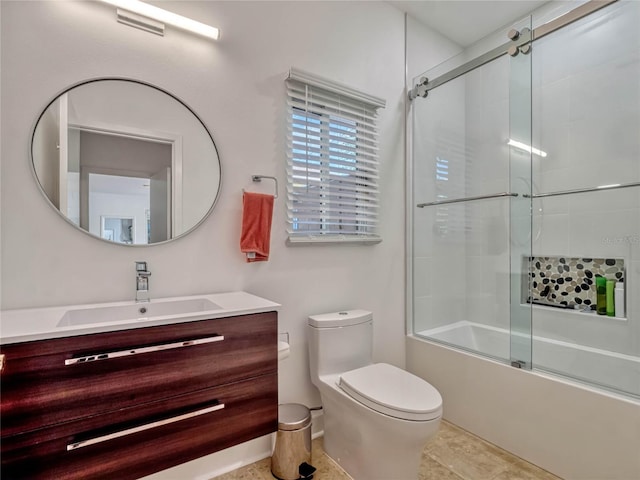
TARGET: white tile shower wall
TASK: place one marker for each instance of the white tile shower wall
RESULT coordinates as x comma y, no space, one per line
591,95
487,256
236,86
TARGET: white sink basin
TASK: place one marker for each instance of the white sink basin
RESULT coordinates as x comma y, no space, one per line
138,311
44,323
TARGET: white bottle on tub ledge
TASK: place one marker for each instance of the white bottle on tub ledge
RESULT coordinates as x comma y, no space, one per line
619,300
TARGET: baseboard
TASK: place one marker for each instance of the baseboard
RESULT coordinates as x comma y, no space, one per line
233,466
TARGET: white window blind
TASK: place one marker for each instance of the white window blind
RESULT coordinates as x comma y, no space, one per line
332,164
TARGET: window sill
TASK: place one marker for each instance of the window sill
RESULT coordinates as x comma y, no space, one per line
332,240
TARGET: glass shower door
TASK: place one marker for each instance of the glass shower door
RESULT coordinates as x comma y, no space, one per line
521,149
586,119
471,222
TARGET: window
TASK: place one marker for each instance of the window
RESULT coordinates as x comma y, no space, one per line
332,165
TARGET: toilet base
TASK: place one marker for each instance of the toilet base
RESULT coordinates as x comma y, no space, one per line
369,445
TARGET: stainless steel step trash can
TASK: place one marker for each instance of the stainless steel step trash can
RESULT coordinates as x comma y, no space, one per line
293,441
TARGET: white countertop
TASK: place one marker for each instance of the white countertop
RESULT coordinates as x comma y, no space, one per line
25,325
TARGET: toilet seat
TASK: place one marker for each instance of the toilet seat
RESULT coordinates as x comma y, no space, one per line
392,391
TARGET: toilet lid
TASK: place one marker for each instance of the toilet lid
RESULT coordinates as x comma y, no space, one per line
392,391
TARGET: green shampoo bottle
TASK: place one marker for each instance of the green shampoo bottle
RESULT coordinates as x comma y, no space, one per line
601,295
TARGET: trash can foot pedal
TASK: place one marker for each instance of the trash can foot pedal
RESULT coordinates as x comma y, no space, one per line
306,471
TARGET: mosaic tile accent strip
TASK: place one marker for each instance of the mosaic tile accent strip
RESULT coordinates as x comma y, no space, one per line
570,282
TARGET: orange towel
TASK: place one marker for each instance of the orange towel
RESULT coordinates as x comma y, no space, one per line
257,210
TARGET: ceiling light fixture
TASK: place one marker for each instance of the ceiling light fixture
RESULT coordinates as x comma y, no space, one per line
526,148
143,11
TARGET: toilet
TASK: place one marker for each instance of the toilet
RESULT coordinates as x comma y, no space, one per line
377,417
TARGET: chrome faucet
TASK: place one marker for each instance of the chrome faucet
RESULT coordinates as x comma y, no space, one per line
142,282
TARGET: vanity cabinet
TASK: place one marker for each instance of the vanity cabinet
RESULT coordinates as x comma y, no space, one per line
128,403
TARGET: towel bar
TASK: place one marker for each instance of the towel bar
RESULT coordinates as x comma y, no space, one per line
258,178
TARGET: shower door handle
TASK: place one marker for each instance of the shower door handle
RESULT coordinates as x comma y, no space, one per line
467,199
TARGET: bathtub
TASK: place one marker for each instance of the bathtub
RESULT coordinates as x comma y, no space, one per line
606,369
572,429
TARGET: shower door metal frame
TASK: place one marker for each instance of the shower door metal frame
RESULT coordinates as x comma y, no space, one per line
519,40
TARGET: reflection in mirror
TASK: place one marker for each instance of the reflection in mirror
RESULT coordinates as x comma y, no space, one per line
117,229
126,162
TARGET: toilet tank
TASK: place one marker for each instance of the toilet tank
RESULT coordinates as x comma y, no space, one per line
339,342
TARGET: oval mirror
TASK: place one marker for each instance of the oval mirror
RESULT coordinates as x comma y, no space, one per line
125,161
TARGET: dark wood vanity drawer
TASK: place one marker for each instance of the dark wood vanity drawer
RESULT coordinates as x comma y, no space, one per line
39,389
250,410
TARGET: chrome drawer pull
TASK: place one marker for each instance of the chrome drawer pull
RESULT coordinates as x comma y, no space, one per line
136,351
142,428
